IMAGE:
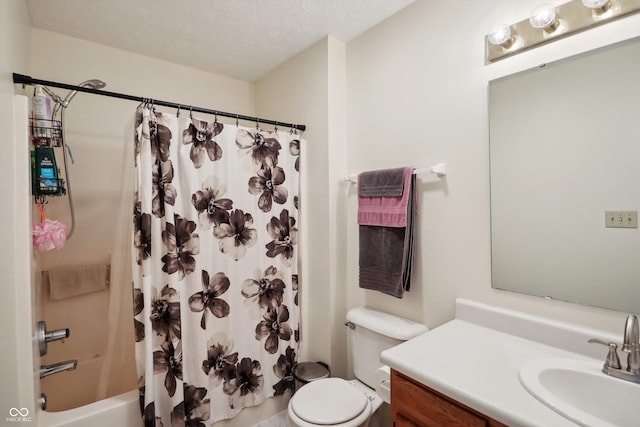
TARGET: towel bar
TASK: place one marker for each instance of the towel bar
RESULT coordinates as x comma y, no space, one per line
439,169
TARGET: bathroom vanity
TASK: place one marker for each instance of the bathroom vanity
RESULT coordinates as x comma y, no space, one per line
484,368
416,405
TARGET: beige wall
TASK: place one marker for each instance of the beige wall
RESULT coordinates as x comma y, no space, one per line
16,361
417,96
70,60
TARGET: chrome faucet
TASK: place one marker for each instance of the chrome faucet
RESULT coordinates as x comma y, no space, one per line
631,345
68,365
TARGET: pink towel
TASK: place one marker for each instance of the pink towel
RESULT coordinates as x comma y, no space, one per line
386,211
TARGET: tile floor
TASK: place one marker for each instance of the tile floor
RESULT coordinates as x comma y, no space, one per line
277,420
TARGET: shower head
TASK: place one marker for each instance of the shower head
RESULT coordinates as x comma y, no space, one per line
91,84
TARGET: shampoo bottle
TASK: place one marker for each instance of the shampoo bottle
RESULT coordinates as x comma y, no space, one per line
45,173
41,113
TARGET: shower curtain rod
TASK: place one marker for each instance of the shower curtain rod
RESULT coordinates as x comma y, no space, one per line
28,80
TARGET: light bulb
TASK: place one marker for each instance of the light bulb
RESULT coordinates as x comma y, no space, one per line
544,17
597,6
501,36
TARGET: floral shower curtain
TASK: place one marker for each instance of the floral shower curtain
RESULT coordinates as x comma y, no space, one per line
215,267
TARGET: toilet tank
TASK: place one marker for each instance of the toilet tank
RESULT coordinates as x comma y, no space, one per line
370,332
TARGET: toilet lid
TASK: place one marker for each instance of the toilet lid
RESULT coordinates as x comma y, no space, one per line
328,401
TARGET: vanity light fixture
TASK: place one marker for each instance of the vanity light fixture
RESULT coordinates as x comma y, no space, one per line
548,23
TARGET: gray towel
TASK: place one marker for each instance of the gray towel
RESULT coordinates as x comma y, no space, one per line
381,183
386,254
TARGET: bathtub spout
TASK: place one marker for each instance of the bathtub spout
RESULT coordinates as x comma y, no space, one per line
68,365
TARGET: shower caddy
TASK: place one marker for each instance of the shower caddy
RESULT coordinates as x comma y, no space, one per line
46,135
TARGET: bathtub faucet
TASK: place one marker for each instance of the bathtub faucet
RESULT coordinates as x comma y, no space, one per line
68,365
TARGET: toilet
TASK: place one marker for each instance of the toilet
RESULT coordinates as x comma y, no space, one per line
337,402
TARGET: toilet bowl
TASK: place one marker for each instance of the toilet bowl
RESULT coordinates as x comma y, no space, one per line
333,402
337,402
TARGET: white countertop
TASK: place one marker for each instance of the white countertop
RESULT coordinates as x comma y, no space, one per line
478,365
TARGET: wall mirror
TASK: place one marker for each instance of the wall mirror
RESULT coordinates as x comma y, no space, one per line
565,149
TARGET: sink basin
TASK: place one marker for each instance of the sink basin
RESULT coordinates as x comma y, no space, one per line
580,391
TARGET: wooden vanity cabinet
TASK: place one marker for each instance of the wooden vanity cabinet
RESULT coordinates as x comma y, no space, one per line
416,405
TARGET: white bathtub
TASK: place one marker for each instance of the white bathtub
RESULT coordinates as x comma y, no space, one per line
122,411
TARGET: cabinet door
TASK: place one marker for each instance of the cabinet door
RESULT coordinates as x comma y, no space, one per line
414,405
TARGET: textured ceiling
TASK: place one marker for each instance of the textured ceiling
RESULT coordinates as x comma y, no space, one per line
243,39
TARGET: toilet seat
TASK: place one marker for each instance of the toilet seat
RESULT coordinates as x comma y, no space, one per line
329,402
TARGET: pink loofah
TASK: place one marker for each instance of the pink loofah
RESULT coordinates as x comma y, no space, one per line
48,234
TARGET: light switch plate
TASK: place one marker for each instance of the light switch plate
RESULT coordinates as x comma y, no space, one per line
621,219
